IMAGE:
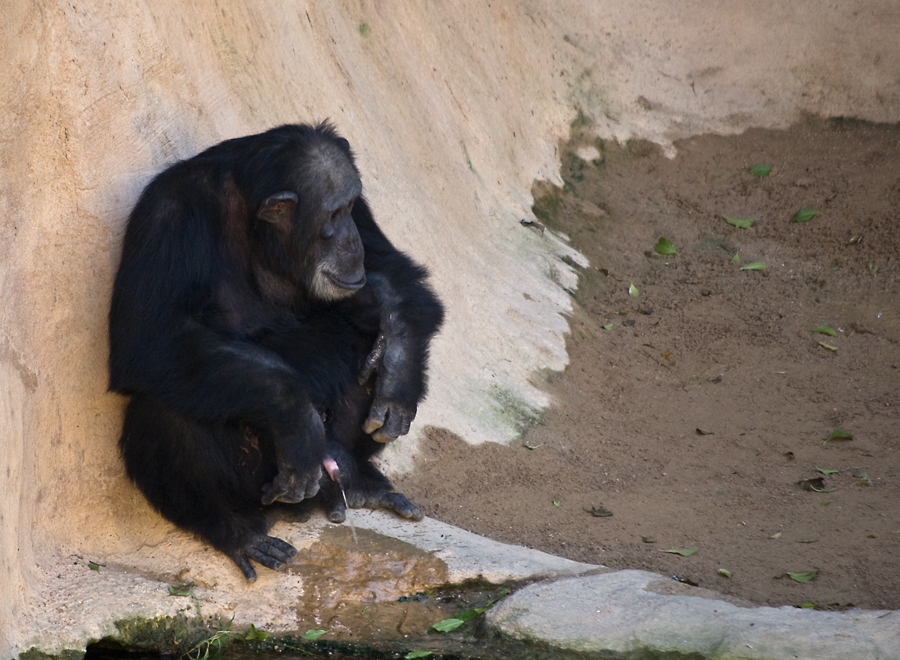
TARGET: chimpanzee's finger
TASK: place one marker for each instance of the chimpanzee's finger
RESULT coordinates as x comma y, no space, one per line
270,493
398,421
383,437
371,363
375,421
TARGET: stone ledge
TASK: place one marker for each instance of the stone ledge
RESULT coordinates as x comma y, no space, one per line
619,613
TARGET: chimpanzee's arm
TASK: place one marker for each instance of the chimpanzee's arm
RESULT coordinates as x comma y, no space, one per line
409,316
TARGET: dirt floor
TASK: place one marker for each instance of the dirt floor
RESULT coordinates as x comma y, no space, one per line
698,412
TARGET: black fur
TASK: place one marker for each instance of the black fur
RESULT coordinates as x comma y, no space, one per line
242,365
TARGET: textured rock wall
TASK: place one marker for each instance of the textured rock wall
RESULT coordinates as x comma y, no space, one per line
454,108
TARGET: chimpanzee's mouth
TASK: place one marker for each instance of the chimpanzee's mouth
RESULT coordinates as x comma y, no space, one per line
354,285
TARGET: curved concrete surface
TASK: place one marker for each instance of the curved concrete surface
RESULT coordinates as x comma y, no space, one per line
454,110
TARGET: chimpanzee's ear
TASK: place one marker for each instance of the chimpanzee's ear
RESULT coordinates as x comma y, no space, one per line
343,144
277,208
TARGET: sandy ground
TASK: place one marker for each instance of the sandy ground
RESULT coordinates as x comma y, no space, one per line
697,412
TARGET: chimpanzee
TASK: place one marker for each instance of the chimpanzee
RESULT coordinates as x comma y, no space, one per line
264,328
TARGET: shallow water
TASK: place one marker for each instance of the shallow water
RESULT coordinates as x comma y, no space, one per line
373,595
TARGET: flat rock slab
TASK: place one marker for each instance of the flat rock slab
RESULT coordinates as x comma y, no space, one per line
634,613
469,556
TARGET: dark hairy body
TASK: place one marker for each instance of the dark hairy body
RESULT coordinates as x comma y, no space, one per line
264,326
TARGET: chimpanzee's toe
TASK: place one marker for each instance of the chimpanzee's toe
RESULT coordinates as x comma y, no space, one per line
244,564
337,512
399,503
269,551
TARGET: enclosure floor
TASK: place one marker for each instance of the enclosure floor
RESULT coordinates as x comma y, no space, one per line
696,411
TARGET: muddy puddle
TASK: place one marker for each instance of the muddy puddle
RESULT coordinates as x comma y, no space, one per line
364,596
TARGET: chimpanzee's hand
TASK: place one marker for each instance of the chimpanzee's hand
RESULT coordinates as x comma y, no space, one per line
393,408
291,485
388,420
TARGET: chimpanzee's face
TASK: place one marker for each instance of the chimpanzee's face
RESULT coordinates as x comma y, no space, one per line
337,269
315,225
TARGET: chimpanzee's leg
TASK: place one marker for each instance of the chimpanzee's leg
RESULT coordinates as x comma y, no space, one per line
206,478
230,380
352,449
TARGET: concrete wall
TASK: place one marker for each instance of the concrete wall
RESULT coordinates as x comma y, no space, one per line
453,108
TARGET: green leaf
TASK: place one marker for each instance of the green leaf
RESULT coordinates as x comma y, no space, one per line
556,501
802,577
827,472
256,635
825,330
493,601
839,434
822,490
599,511
633,290
863,479
665,246
417,654
94,566
828,346
532,447
447,625
185,589
453,623
754,265
608,326
737,257
740,223
816,484
804,215
684,552
313,634
724,572
808,606
760,170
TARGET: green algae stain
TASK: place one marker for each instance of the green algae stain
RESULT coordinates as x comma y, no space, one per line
513,410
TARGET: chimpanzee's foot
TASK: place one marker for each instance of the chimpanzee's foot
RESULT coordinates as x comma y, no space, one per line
269,551
376,499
